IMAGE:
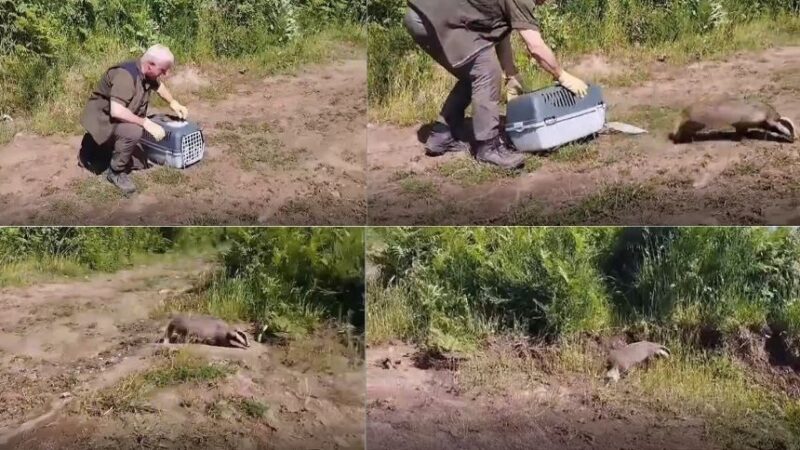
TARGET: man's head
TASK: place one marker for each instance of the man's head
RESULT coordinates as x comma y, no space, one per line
157,61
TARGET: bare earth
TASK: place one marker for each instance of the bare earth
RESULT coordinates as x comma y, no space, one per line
615,179
85,337
281,150
412,408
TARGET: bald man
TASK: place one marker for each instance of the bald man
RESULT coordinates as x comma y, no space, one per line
116,114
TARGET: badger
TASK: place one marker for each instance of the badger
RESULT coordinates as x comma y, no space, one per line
623,359
204,330
739,114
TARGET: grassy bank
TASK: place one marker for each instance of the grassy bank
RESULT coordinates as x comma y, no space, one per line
51,57
38,254
406,88
708,293
456,286
293,281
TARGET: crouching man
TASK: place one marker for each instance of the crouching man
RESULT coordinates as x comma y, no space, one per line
116,115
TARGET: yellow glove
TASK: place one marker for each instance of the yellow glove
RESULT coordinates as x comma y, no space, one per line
179,109
154,129
514,87
576,85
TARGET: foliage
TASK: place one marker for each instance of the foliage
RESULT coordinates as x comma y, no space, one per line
296,277
41,39
554,282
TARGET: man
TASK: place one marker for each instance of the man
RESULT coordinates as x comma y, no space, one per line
460,35
116,114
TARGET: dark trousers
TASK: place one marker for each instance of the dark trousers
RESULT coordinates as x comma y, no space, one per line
479,82
121,152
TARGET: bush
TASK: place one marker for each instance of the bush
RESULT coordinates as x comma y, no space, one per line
42,39
291,279
557,282
97,248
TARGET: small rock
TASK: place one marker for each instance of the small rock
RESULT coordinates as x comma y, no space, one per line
66,395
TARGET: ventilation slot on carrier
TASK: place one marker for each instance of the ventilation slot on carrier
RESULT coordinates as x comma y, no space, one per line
560,99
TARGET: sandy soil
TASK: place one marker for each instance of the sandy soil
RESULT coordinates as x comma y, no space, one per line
615,179
62,343
280,150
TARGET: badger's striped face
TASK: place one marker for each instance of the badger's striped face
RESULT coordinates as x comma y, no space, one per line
238,337
790,128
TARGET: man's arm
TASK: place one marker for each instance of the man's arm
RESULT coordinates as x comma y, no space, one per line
541,52
164,93
120,112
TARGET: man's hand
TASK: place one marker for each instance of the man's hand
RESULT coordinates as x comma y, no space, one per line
514,87
179,109
154,129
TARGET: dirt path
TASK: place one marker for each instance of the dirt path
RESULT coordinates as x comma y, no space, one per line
282,150
412,408
614,179
92,338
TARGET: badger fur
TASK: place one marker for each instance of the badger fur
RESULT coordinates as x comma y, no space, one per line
621,360
739,114
204,330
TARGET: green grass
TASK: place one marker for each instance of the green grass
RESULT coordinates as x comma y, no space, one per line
612,201
575,154
259,151
252,408
131,394
391,315
96,190
167,176
469,172
416,187
36,270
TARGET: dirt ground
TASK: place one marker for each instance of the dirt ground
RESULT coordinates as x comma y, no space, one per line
64,344
281,150
413,408
614,179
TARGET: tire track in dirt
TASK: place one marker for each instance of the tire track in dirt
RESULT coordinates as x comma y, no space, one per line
722,182
282,150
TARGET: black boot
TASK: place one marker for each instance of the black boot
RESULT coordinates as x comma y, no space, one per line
122,181
494,151
441,141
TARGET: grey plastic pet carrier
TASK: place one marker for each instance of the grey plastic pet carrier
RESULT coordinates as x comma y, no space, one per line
554,116
183,145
